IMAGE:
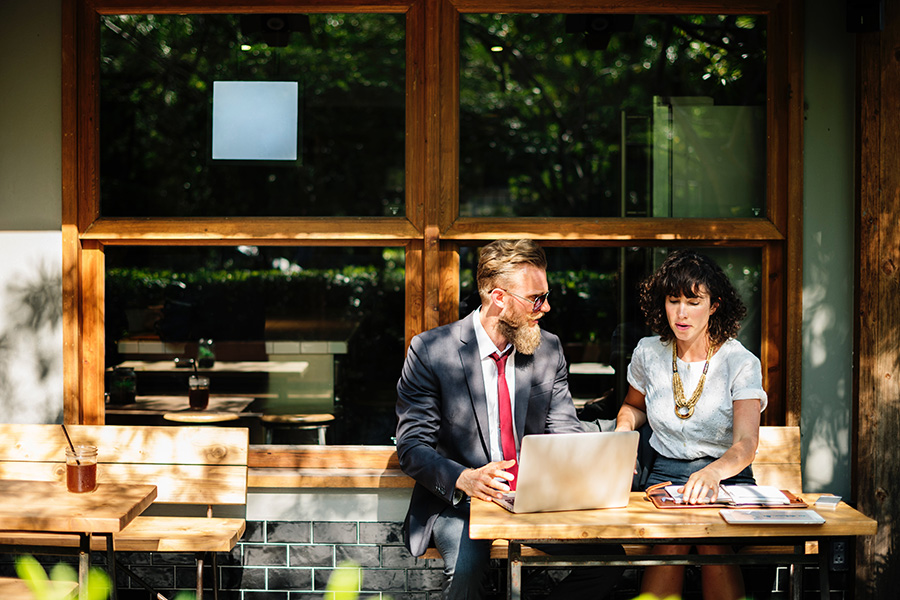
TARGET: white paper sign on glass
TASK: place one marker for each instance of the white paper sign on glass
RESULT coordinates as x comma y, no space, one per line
255,120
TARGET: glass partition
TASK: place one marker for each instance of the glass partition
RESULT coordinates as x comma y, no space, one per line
278,330
594,310
344,131
612,115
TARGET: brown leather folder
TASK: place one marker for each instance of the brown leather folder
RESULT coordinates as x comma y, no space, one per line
660,497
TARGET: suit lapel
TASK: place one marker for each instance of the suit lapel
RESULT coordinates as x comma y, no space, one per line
524,375
471,362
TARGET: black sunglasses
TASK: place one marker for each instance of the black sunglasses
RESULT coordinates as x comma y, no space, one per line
537,303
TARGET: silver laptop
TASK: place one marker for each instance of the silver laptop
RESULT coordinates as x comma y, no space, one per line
573,471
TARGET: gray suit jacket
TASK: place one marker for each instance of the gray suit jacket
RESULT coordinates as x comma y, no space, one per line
442,426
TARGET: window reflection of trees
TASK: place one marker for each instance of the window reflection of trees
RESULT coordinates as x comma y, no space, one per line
156,87
541,113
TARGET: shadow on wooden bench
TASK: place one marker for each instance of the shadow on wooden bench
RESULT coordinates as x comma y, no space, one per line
195,469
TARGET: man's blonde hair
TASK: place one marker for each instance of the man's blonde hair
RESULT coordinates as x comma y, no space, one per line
500,259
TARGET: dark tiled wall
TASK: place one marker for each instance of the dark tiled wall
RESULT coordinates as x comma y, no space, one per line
293,560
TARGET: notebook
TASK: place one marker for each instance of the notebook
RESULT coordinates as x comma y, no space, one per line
573,471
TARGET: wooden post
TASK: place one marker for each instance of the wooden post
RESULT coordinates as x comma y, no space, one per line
877,415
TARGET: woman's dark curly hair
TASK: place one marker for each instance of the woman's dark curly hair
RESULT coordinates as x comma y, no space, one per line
682,274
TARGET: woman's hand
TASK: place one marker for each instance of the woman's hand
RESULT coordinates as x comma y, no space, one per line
702,486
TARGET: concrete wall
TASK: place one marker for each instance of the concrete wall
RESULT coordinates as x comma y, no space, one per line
828,254
31,389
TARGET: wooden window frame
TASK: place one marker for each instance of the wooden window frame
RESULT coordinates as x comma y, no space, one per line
431,231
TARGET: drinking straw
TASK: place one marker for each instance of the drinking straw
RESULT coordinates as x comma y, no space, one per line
72,446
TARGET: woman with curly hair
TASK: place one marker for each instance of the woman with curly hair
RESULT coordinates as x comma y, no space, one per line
701,392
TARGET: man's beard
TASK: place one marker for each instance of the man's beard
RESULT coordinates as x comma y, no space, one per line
524,338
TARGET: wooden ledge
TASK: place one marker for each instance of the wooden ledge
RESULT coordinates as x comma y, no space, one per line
327,478
279,466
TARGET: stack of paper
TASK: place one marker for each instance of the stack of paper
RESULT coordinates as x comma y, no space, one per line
765,495
755,495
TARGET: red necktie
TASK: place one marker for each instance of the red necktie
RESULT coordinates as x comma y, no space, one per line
507,439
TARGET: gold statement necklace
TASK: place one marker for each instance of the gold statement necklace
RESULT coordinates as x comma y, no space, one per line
685,408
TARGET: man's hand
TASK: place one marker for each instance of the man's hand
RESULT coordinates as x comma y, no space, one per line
483,483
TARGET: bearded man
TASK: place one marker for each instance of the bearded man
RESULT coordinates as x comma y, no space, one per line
460,422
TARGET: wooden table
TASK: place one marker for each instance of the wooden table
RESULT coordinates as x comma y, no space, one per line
294,367
160,405
47,506
641,523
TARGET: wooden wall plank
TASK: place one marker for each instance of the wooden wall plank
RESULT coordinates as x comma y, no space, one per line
71,246
93,342
243,6
616,231
332,457
446,28
877,411
415,297
790,211
772,330
449,282
617,6
416,116
256,230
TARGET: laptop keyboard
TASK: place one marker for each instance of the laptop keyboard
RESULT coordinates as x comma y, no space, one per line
506,500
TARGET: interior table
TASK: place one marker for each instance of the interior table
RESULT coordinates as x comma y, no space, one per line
47,506
641,523
160,405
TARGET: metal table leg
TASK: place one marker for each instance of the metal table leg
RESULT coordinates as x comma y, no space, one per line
514,571
84,564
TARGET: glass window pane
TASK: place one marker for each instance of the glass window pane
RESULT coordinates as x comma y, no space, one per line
157,76
293,330
612,115
595,312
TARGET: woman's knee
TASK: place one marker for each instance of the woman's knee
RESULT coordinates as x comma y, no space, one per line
715,549
671,549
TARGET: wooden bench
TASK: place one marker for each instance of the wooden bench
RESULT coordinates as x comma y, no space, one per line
12,588
777,463
197,470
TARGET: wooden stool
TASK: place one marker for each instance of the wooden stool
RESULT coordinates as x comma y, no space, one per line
199,417
313,421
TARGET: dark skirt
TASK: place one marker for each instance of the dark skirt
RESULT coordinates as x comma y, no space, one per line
677,471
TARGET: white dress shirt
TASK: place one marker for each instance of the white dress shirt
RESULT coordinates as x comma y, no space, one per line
489,369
